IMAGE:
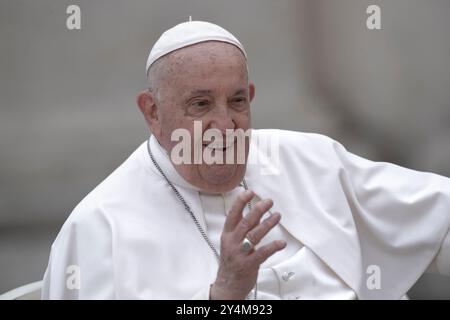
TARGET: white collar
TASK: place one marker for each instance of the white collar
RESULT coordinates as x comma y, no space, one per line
162,158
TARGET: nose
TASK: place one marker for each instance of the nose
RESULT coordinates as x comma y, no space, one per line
222,119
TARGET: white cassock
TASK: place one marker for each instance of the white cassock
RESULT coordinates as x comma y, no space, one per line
346,220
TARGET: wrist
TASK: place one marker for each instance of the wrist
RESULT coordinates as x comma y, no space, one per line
218,292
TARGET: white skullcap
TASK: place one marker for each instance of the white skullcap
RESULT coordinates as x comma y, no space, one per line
189,33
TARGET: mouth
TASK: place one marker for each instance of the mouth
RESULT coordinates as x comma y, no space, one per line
220,145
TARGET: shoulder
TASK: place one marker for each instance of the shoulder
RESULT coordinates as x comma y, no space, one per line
296,141
289,136
94,208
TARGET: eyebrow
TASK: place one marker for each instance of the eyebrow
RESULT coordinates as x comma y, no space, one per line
240,91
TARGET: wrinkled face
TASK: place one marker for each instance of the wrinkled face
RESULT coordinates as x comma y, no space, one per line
206,82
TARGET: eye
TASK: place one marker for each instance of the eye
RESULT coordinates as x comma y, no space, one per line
239,100
198,107
239,103
200,103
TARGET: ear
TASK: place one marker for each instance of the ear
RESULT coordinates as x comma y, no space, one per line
147,104
251,90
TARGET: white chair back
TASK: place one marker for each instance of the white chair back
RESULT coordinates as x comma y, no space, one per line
31,291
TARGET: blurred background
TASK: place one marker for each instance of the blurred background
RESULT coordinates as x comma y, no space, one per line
68,116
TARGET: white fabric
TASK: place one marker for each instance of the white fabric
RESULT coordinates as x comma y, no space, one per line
132,239
189,33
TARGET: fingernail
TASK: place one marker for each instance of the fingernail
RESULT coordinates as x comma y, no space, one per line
282,243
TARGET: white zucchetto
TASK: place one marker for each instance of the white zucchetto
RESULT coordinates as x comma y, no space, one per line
189,33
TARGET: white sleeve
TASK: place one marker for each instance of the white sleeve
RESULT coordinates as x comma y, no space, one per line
402,217
81,260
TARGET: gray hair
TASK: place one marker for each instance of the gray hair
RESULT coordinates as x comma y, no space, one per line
154,76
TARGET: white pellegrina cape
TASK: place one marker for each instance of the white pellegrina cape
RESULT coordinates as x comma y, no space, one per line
131,238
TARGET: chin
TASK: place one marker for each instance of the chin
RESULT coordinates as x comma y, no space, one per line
223,178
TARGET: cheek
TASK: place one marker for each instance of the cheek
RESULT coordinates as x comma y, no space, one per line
243,120
184,128
170,121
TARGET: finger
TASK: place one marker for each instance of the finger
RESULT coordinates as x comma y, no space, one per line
235,214
263,253
252,219
256,234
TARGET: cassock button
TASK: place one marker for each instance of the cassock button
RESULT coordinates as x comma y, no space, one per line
287,275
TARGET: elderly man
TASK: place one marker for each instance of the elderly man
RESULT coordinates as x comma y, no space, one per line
323,224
